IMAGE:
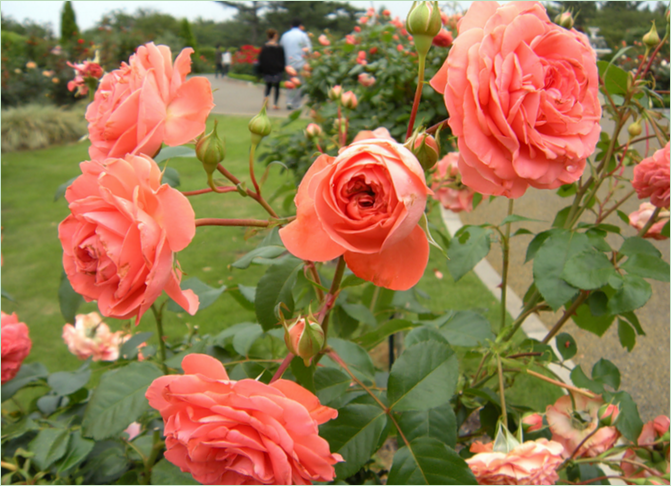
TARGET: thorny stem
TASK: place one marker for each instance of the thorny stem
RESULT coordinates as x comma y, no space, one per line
315,276
560,384
650,222
252,194
219,189
283,367
506,257
158,315
331,296
619,203
504,410
517,323
433,129
567,314
654,54
251,169
259,223
582,443
418,96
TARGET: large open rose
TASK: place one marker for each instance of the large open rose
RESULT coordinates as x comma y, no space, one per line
651,178
522,96
241,432
147,102
119,242
532,462
366,204
15,345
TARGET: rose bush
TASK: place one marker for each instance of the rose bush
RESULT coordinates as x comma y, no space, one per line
522,97
120,240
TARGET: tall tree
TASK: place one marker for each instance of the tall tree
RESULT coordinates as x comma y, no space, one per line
248,13
69,29
339,17
186,34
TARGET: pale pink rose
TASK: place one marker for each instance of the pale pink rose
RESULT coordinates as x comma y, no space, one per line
349,100
91,337
363,20
289,85
313,130
78,84
532,422
570,427
16,345
522,94
365,204
443,39
133,430
87,69
444,18
532,462
651,178
323,40
381,133
295,81
241,432
447,186
120,240
148,102
366,80
650,433
291,71
638,220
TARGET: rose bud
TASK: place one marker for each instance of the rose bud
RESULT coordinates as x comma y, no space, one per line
634,129
425,148
295,81
323,40
532,422
443,39
210,150
357,28
260,125
565,19
424,23
349,100
335,93
304,340
289,85
313,130
366,80
651,39
340,124
608,414
290,71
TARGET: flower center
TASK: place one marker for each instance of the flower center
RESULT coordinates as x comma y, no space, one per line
362,198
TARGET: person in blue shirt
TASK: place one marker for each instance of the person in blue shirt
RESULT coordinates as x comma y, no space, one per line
294,41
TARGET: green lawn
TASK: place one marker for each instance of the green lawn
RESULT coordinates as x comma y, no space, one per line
32,252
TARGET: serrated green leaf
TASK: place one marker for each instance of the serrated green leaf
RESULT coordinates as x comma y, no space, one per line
49,446
373,338
439,423
244,295
429,461
423,334
60,192
607,373
360,313
467,248
174,152
516,218
634,245
423,377
351,281
118,400
647,266
356,358
165,472
589,270
537,242
354,435
78,449
275,288
206,295
598,325
67,382
171,177
27,374
129,348
629,421
467,328
633,293
245,338
258,253
626,334
566,345
330,384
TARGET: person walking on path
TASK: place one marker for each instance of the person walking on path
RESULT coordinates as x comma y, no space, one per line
218,63
271,64
226,60
296,45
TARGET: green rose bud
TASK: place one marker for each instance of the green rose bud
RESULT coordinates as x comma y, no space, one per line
210,150
651,39
634,129
304,338
565,19
424,19
260,126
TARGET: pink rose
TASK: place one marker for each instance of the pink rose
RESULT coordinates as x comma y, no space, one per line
522,94
323,40
651,178
380,133
313,130
447,187
148,102
650,433
532,462
16,345
365,204
443,39
119,243
570,427
91,337
638,220
291,71
289,85
87,69
241,432
350,39
349,100
133,430
532,422
366,80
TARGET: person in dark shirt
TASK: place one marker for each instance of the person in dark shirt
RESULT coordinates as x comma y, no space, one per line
271,64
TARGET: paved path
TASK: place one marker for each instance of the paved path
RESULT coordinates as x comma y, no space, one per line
645,371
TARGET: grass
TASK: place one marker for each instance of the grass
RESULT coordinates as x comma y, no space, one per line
32,252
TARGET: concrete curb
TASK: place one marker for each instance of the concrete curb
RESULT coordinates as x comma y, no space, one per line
532,326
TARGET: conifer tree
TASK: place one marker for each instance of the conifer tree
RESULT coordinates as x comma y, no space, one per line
69,29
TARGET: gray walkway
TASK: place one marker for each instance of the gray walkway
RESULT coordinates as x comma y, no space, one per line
645,371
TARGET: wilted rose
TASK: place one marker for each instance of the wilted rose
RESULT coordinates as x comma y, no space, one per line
651,178
91,337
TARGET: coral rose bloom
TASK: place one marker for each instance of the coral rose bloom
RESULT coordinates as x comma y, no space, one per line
650,433
16,345
522,96
119,242
241,432
91,337
651,178
147,102
569,427
456,200
532,462
364,204
638,220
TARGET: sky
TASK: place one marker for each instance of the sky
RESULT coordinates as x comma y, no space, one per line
90,12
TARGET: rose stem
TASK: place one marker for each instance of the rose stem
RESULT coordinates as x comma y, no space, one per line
608,213
232,222
560,384
506,260
283,367
315,275
418,95
329,300
582,443
220,190
251,169
567,314
594,480
502,389
250,193
158,315
650,222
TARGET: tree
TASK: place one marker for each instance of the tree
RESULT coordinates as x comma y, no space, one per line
69,29
248,13
339,17
186,34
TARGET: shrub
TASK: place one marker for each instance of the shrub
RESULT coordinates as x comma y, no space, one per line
33,126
